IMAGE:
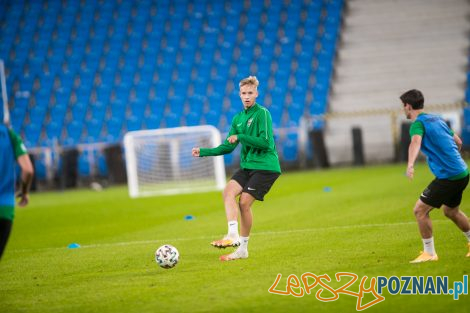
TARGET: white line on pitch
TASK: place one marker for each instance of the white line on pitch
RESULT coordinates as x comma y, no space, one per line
262,233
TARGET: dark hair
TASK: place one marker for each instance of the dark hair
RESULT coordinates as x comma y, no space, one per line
414,98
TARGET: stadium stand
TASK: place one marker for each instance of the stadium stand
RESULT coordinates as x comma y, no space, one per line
84,72
387,48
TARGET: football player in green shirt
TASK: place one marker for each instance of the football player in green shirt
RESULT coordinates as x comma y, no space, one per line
259,167
12,151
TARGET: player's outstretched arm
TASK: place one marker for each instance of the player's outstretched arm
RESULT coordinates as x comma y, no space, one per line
413,152
27,173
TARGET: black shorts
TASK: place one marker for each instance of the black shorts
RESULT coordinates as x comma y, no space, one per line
444,191
255,182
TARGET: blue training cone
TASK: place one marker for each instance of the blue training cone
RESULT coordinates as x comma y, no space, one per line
73,246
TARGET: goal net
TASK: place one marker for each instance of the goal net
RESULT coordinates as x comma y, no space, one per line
159,161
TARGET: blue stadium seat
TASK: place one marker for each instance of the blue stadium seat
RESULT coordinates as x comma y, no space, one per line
114,127
93,129
152,121
133,123
32,134
290,149
84,164
74,131
102,166
171,120
466,126
276,111
318,106
212,118
193,119
53,130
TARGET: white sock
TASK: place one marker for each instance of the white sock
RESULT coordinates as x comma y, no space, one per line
244,243
429,246
467,234
232,229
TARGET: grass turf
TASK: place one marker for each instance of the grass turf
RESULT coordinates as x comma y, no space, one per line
343,220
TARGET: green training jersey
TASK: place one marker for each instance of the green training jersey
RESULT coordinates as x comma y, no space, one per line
254,130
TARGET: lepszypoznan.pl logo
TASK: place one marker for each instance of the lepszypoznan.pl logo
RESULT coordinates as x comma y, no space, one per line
403,285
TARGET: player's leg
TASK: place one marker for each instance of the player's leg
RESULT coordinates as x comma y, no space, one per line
451,207
461,220
458,217
5,229
421,212
246,215
231,191
6,221
256,188
246,221
432,197
452,210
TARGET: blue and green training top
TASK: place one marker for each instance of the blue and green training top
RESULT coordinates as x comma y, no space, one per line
439,146
11,148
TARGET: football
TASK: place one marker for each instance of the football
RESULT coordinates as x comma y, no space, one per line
167,256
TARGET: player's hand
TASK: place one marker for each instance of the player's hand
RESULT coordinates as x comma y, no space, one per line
232,139
23,199
196,152
410,171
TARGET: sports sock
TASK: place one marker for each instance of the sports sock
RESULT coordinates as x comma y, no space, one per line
5,229
244,243
233,229
467,234
429,246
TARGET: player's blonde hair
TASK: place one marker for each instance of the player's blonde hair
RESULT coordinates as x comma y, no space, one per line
250,80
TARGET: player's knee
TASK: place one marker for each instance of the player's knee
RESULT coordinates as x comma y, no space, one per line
245,204
420,210
450,212
417,213
232,190
229,193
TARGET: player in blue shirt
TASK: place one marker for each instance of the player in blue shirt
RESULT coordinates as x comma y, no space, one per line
12,150
430,134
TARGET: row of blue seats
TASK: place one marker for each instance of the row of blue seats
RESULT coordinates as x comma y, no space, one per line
183,61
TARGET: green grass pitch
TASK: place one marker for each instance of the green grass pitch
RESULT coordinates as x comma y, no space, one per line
361,223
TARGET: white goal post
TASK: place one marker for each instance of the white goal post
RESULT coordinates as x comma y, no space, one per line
159,161
3,87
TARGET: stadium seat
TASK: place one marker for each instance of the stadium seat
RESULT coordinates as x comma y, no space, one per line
134,123
193,119
171,120
152,121
84,164
290,151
